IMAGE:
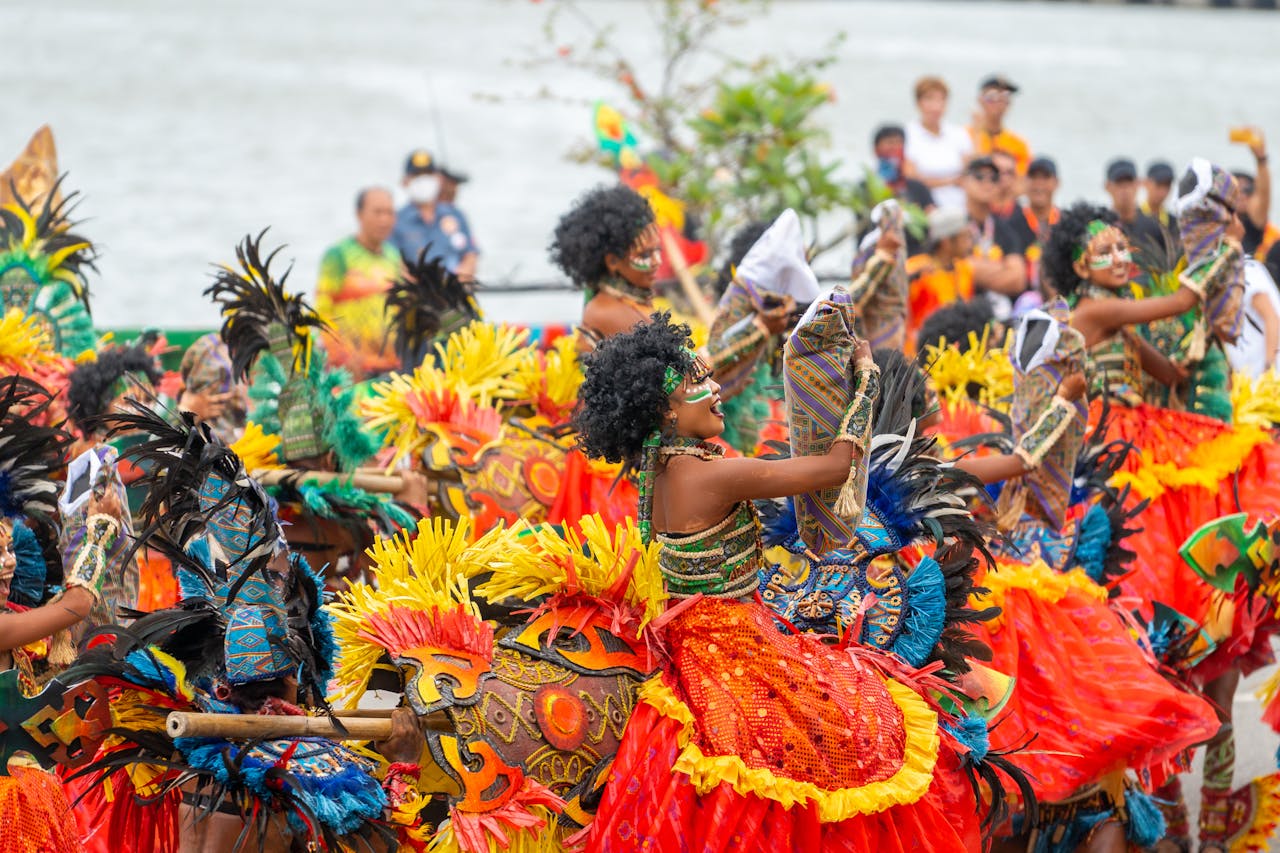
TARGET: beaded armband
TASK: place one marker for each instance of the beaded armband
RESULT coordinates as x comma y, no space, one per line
1036,443
101,532
873,275
738,342
856,429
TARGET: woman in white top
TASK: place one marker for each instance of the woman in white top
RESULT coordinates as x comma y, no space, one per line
936,152
1254,352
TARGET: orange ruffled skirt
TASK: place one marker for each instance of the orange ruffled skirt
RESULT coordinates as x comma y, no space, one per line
1085,695
1193,469
752,736
34,814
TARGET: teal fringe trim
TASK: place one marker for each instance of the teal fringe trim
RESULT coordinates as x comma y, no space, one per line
925,613
1094,543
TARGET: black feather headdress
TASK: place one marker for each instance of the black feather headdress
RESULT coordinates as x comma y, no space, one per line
258,313
422,302
29,453
47,232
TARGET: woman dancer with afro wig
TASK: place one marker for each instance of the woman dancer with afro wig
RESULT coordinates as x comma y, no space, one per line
749,733
609,245
1192,468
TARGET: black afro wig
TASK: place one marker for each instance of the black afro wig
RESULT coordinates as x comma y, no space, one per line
605,221
951,325
89,391
622,400
743,239
1057,263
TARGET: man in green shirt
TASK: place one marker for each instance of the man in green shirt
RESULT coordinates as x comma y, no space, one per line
351,292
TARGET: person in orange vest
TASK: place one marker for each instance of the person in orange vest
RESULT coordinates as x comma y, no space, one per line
943,274
988,131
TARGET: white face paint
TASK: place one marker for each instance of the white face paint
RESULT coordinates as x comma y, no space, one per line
423,189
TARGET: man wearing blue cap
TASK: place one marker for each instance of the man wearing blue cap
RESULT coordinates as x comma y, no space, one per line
430,223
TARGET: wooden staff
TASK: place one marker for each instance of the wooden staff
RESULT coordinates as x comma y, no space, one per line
687,283
368,480
360,725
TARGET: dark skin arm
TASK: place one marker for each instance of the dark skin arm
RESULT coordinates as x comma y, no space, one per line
692,494
18,629
999,467
1157,365
1098,319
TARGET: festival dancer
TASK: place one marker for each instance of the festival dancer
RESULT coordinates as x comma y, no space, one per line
305,417
609,245
1192,468
250,636
1095,702
750,733
758,305
34,814
97,387
879,278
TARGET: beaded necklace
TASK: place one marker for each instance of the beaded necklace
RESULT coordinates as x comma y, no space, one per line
620,288
657,447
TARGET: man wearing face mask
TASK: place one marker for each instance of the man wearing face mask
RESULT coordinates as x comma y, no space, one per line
427,222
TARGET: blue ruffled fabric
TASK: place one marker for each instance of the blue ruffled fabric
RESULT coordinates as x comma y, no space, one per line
334,784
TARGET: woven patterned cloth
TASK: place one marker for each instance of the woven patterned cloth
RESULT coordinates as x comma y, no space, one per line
818,386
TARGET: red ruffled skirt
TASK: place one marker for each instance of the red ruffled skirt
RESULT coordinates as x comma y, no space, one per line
1088,699
754,737
1193,469
34,814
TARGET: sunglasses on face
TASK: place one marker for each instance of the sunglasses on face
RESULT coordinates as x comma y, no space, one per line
995,97
986,177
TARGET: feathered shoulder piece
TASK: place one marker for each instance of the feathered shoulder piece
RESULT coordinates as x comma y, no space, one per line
196,485
43,266
423,302
42,241
29,453
258,313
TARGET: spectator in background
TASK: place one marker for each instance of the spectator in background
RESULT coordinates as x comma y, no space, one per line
355,275
988,131
942,275
1255,351
429,223
1150,244
936,152
1261,236
999,268
1005,206
887,144
450,180
1159,184
1039,214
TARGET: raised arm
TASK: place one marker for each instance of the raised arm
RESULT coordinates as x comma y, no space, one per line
1097,319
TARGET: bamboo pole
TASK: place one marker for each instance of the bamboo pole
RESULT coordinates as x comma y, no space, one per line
370,481
360,725
690,287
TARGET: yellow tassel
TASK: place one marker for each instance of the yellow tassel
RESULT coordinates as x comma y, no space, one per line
62,652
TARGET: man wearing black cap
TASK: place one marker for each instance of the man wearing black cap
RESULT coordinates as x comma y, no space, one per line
1150,243
427,222
1159,184
988,131
999,268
